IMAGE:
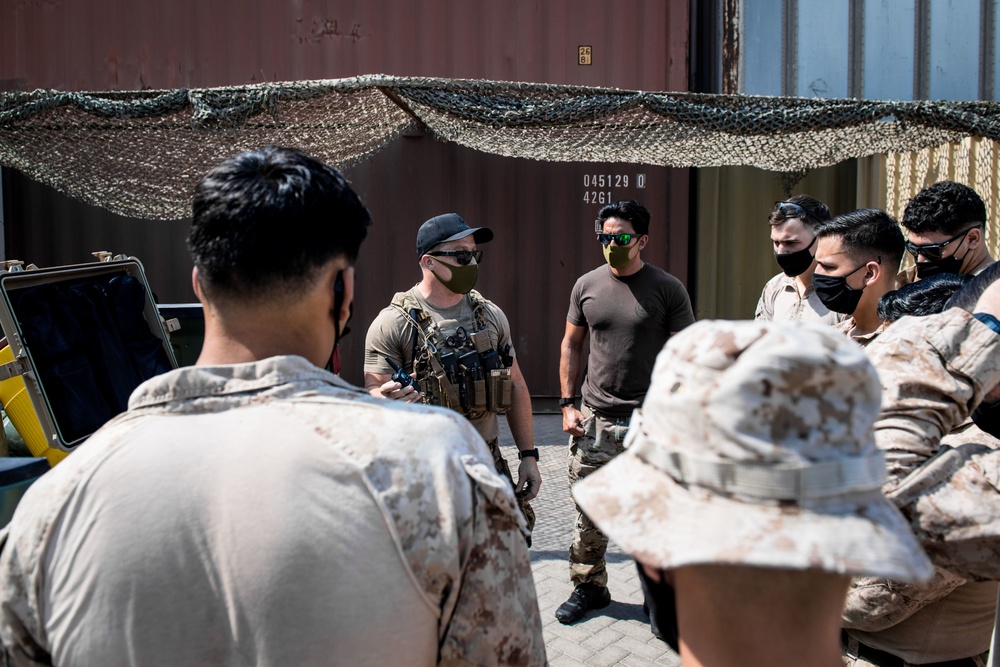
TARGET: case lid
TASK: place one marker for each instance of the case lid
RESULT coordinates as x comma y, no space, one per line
88,334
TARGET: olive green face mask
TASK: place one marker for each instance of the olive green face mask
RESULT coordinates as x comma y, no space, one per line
463,278
619,257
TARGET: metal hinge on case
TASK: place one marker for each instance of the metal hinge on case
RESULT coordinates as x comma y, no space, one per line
14,368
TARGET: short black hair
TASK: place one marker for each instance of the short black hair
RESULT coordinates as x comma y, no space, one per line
867,231
946,208
967,297
924,297
816,212
627,209
265,220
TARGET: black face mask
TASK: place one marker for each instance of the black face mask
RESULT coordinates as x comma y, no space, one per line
944,265
662,607
836,294
987,418
795,263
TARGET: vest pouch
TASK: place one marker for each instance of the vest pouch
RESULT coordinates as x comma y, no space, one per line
499,391
479,389
447,393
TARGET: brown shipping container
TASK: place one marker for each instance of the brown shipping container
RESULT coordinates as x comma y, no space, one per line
542,212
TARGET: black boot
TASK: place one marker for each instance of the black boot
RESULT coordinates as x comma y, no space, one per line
584,598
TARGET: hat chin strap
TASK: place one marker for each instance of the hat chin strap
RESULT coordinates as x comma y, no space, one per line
771,481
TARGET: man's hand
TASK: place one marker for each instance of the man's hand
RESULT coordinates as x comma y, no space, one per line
571,420
396,391
528,479
383,386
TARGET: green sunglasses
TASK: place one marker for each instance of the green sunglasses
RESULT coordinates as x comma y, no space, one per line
619,239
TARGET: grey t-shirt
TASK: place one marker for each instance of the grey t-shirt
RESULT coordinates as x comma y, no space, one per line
630,319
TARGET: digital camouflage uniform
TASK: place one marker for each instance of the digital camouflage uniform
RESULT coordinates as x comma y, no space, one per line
219,497
934,371
394,334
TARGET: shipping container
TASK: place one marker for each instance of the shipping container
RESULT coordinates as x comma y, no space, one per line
542,212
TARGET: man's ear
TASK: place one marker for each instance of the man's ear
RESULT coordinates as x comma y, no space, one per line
975,237
195,285
873,273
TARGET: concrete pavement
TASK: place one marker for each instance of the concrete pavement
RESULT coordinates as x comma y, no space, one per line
616,635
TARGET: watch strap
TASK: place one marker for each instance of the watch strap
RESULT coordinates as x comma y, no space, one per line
528,453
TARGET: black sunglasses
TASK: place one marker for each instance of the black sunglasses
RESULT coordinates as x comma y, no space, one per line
789,209
934,251
464,257
619,239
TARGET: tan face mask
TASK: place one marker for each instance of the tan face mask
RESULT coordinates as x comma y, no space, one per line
619,257
463,278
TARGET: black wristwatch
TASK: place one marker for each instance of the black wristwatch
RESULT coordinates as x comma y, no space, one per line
563,402
527,453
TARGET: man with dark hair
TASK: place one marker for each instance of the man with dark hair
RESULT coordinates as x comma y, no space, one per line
945,232
789,296
922,298
256,509
857,258
458,346
630,308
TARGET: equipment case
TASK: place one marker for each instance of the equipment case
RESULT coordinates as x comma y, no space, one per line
81,338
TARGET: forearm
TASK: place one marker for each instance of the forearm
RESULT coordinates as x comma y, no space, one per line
570,357
374,382
519,415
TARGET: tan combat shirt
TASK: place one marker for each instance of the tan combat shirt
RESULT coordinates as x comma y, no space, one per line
270,514
847,326
780,302
934,370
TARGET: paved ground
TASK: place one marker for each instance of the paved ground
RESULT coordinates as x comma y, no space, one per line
616,635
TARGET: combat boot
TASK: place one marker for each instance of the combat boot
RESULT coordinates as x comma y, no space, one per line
585,597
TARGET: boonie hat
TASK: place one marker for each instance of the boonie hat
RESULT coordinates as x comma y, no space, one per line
754,446
448,227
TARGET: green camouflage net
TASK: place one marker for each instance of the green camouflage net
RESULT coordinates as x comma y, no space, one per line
140,153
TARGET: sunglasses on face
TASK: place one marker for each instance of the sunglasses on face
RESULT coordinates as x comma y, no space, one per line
464,257
934,251
789,209
619,239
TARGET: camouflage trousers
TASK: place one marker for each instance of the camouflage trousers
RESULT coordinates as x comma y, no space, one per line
603,439
501,465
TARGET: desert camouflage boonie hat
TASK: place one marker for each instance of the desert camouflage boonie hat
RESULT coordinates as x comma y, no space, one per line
755,446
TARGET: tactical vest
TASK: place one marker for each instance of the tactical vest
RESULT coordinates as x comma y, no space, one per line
463,370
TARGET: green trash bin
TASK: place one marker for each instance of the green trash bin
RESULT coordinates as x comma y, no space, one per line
16,475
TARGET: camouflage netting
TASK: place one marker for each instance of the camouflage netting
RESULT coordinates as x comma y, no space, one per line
140,153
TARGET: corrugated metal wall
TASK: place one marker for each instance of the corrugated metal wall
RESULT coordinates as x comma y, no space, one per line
538,210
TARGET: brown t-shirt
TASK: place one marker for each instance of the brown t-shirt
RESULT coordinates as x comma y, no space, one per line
629,319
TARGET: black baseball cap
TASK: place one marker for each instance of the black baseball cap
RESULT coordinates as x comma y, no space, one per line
448,227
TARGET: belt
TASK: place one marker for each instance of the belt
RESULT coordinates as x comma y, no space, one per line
885,659
609,418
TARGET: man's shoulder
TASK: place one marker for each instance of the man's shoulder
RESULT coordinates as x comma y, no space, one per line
663,276
779,281
491,308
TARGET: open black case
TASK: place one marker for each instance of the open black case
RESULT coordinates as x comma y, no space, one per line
81,339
